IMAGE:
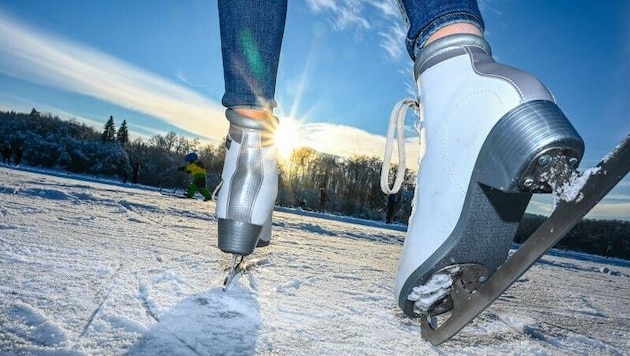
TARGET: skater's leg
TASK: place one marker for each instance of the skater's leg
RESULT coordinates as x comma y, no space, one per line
199,182
484,123
206,193
251,38
432,19
192,189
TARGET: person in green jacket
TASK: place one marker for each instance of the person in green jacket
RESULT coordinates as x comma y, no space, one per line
198,170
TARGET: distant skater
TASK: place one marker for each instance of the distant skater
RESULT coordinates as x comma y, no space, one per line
323,199
135,173
198,170
18,156
6,155
391,207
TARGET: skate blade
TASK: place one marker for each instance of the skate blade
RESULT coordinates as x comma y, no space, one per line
233,270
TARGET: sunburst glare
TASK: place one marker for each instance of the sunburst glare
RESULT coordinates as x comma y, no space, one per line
288,136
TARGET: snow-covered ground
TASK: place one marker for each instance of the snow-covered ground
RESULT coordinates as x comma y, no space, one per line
94,268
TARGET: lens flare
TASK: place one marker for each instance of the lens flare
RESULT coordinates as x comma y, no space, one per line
287,136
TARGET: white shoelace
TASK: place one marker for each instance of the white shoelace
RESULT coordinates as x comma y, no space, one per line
215,192
397,128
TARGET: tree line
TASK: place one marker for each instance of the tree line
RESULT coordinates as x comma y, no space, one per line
352,184
69,145
610,238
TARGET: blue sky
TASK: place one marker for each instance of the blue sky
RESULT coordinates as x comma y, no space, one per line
157,65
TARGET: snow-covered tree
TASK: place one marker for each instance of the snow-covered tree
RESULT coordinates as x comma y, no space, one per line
109,131
123,133
34,114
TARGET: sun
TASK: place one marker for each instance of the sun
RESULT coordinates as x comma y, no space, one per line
287,136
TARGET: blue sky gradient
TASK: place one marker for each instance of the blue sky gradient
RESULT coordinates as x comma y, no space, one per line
158,65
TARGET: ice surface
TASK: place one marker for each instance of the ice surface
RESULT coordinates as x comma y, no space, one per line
88,268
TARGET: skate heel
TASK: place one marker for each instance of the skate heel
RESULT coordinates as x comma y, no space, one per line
516,155
238,237
510,167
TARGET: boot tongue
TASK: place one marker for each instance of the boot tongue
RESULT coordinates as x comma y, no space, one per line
445,48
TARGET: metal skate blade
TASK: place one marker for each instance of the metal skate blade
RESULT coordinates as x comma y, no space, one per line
232,270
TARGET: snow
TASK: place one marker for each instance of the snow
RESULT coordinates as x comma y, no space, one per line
94,268
434,289
571,190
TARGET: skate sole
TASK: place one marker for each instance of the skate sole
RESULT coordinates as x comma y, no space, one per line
507,172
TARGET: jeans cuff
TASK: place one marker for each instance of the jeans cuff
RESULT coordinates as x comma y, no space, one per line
247,101
415,45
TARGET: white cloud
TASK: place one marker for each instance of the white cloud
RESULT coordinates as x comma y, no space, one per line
392,41
388,8
611,207
539,206
346,141
380,16
606,210
345,14
43,58
184,79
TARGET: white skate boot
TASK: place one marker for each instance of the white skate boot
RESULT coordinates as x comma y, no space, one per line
491,131
250,184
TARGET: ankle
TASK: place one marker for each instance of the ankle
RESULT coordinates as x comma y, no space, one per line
456,28
256,114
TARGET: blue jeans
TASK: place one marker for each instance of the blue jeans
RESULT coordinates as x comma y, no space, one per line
252,31
251,37
424,18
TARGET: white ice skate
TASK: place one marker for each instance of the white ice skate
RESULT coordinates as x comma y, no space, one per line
250,184
491,131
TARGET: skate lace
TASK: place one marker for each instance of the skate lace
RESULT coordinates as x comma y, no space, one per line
396,130
215,192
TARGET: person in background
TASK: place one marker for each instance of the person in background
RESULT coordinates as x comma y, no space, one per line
323,199
391,207
6,155
135,172
18,156
197,169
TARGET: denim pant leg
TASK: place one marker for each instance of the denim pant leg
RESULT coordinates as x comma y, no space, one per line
425,17
251,37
